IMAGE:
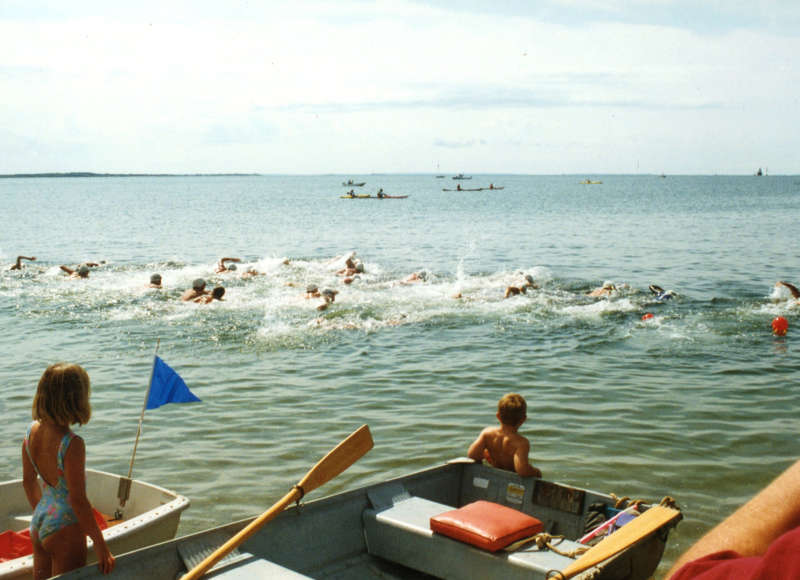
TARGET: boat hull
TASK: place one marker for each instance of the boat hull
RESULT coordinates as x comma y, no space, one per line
346,536
151,515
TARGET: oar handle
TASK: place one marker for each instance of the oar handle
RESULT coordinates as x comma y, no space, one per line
335,462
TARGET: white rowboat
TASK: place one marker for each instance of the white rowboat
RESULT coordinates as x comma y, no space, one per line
151,515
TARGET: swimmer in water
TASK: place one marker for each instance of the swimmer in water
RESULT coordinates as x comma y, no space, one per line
222,267
216,294
312,291
81,271
660,293
18,264
605,290
790,287
414,277
329,297
155,281
516,290
198,289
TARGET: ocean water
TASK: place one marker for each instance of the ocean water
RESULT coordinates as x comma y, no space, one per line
698,403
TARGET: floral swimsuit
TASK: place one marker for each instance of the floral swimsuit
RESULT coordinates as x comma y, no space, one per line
53,512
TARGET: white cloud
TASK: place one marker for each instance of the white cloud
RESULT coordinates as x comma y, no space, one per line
388,86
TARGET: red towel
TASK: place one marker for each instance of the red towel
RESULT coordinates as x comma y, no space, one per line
18,544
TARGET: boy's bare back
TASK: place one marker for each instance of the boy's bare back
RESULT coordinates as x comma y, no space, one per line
503,447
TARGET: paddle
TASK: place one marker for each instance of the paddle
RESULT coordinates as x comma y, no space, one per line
626,536
335,462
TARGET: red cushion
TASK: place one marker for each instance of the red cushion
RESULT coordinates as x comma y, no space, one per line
487,525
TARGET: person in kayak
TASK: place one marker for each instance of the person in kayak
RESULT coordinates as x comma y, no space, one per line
503,447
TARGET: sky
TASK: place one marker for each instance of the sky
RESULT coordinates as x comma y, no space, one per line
359,87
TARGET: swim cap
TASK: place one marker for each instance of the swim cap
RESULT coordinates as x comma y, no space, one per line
529,278
155,279
360,266
83,271
328,293
231,267
608,285
198,284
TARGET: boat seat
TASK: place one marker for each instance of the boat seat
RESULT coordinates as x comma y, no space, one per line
401,533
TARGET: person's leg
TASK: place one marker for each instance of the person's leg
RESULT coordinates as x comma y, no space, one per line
42,565
67,549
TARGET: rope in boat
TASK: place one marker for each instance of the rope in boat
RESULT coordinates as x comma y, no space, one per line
545,541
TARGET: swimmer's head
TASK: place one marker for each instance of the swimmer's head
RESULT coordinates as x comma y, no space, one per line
231,267
359,266
311,289
529,279
330,295
155,279
83,271
608,285
218,292
198,284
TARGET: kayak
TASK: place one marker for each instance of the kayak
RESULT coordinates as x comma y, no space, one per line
384,530
475,189
354,184
589,182
151,515
373,197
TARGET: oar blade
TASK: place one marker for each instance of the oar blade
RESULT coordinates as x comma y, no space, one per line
338,459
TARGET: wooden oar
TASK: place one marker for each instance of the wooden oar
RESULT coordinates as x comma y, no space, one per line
335,462
635,530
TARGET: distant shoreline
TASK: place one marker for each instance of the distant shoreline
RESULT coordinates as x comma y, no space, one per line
90,174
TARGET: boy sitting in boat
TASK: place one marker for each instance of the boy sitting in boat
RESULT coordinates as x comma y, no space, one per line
503,447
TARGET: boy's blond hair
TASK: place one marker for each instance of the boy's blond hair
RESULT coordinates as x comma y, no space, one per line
63,395
512,409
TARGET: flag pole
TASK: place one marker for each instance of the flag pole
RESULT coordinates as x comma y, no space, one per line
124,490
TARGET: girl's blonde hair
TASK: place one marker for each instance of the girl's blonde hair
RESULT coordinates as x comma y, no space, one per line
63,395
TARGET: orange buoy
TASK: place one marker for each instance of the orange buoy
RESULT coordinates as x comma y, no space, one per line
647,316
780,325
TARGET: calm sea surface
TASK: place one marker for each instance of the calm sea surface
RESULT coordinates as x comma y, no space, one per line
699,403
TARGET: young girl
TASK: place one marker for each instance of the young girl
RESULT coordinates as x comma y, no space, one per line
62,516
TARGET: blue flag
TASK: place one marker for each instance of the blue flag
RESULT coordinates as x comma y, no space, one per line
167,386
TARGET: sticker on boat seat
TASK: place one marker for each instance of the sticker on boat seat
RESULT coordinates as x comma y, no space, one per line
480,482
515,493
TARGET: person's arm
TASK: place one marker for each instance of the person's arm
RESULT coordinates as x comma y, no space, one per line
752,528
30,480
75,474
67,270
478,448
792,288
522,465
